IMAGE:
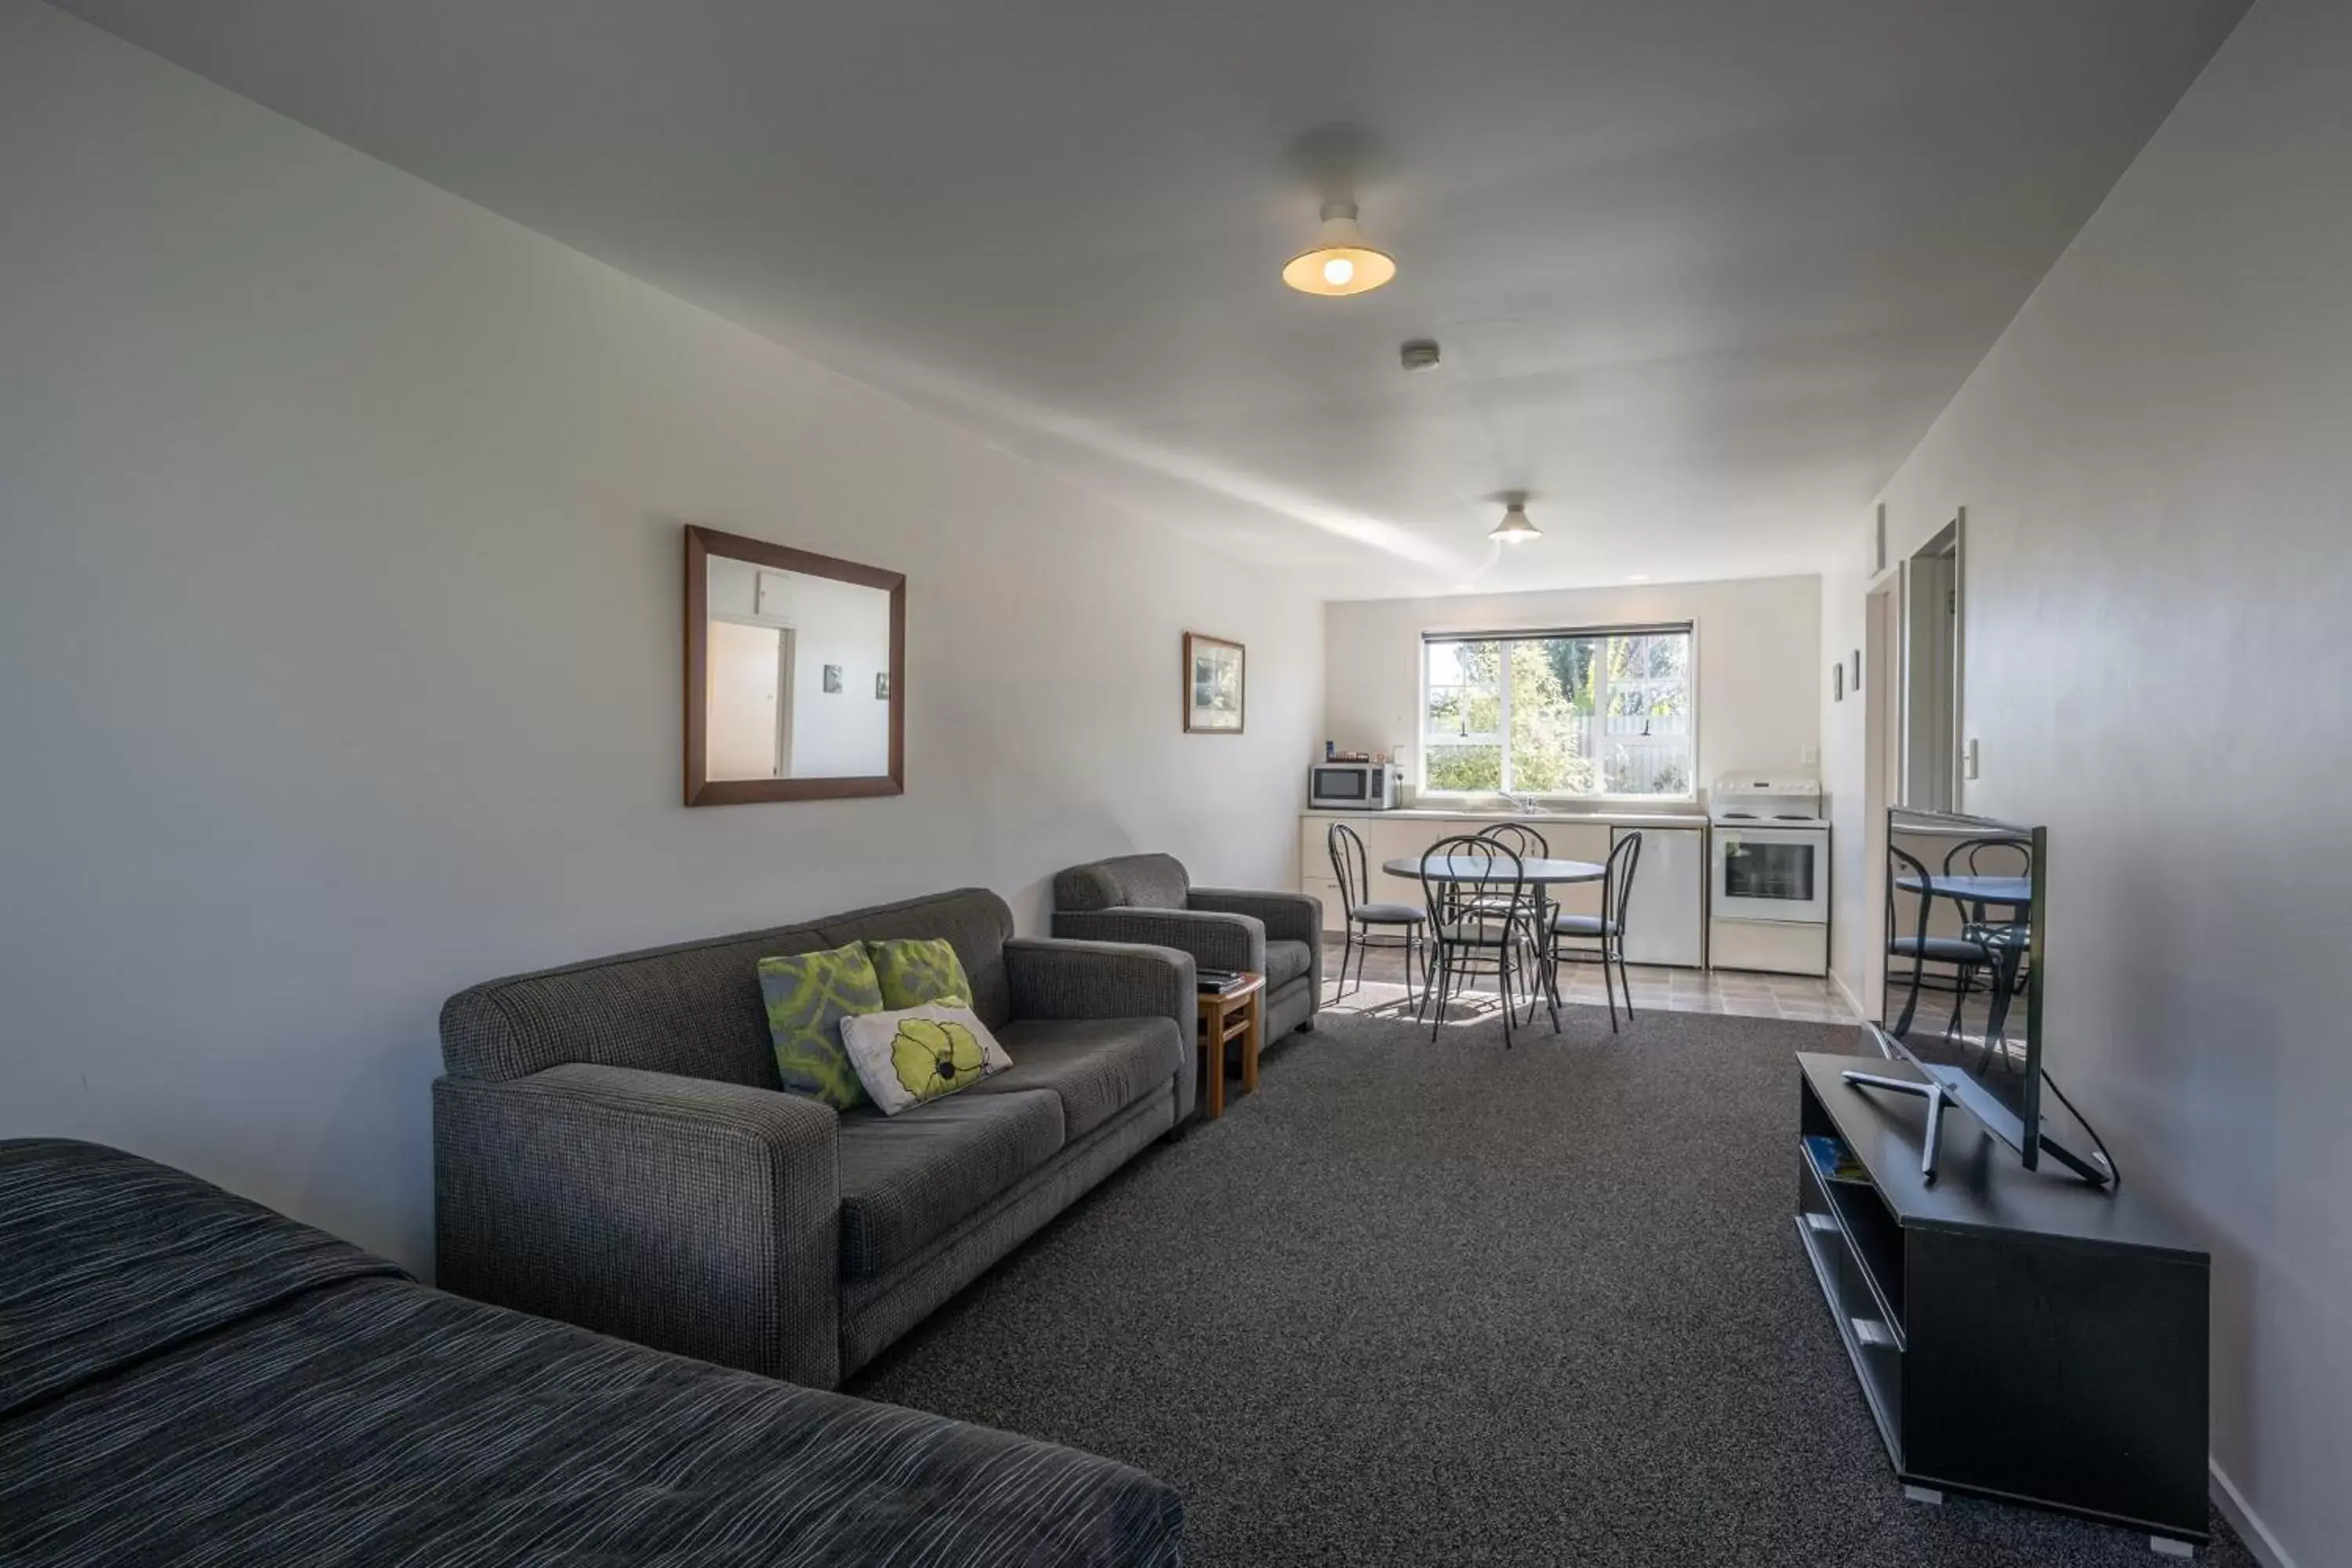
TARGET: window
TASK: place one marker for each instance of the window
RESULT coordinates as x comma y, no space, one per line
1559,714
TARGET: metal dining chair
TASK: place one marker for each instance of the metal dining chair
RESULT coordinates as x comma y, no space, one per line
1966,957
1528,844
1605,930
1467,934
2001,856
1351,867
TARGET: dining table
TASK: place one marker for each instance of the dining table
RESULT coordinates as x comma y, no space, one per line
2009,893
1538,871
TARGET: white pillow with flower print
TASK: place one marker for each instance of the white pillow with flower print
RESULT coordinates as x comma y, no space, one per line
918,1054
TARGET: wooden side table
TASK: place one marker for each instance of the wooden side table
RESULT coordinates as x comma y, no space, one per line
1226,1016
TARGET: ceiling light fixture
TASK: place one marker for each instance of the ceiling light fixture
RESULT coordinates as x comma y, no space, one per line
1515,525
1341,260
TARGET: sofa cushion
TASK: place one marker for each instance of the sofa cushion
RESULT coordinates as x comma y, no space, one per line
916,970
915,1054
1285,962
1125,881
975,922
905,1180
807,996
1097,1067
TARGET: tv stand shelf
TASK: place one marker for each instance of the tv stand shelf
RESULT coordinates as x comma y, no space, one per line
2017,1334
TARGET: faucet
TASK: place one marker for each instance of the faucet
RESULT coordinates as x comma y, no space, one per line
1522,804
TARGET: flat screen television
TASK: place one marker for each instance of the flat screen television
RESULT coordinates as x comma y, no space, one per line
1966,913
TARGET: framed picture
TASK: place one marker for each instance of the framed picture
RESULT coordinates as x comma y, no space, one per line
881,685
833,679
1216,685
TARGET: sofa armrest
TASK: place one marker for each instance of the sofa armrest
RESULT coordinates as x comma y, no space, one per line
693,1217
1057,978
1215,941
1287,917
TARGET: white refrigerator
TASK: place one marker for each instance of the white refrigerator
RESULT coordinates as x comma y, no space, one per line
1668,924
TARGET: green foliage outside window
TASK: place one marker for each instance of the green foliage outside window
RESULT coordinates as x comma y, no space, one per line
1587,715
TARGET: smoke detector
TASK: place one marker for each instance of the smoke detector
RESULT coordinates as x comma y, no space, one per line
1418,353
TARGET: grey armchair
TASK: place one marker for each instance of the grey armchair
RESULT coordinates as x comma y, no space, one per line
1151,899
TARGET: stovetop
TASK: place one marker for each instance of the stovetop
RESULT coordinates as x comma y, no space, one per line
1766,800
1740,817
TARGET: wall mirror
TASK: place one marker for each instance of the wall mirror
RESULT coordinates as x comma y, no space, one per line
795,673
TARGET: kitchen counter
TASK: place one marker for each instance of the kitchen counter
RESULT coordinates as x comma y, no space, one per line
1669,920
1537,820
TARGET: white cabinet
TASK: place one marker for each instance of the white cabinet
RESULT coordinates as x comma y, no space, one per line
1668,909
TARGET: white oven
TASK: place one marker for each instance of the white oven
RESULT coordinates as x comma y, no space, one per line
1769,880
1763,873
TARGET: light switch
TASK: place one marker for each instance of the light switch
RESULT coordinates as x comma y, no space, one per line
1969,763
1809,756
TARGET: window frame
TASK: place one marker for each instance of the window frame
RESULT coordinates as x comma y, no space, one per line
1506,637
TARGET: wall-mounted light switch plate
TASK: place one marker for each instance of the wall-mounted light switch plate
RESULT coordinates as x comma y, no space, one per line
1968,765
1809,756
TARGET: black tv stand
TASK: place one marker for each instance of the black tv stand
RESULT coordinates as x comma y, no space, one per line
2017,1334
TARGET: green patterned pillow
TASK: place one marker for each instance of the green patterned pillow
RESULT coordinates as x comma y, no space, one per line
909,1056
914,974
808,995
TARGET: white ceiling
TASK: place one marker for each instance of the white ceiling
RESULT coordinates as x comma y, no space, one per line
1703,270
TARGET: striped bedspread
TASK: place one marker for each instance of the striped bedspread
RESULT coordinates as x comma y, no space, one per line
189,1379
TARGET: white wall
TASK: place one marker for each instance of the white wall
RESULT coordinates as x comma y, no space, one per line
2155,463
1843,633
340,589
845,731
1760,671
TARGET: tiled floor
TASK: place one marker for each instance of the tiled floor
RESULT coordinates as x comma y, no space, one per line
1668,990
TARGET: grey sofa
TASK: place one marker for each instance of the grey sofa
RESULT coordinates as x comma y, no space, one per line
611,1147
186,1377
1151,899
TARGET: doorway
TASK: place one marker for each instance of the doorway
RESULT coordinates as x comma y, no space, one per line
748,719
1933,580
1913,656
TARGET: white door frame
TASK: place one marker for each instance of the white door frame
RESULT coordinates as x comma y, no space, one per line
1882,766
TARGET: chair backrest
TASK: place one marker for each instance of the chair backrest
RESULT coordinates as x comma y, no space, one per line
1519,838
1492,872
1912,864
1995,856
1351,867
2002,857
1617,886
1124,882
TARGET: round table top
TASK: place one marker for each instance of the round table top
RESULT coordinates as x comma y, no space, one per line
2015,891
1477,868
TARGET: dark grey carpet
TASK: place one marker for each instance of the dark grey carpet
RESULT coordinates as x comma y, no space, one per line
1450,1304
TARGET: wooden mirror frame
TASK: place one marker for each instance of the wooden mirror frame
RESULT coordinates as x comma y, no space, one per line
701,544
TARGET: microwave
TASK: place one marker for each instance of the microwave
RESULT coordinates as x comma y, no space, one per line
1352,787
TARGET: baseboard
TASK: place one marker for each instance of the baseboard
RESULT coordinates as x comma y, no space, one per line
2251,1528
1846,991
